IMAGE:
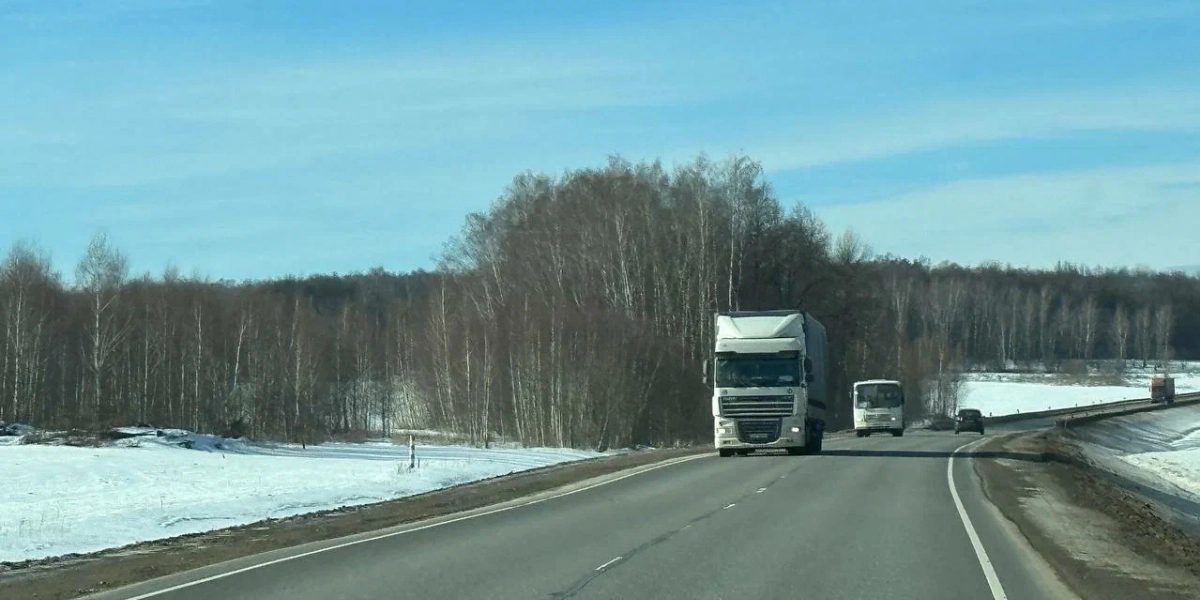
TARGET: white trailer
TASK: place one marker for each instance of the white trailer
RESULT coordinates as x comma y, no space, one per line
769,379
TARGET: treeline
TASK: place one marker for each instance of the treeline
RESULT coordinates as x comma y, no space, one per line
577,311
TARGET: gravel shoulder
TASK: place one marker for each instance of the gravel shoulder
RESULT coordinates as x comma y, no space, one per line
72,576
1103,536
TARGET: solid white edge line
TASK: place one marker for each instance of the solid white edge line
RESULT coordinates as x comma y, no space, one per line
284,559
980,553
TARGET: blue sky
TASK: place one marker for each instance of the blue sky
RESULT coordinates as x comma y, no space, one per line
246,139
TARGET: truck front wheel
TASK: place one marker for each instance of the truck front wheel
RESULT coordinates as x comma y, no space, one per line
814,444
725,453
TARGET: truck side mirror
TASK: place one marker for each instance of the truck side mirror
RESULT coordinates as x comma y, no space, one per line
808,365
808,378
706,369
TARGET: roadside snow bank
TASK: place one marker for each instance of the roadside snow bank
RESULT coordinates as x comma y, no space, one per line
11,435
61,500
1162,445
1179,462
1180,467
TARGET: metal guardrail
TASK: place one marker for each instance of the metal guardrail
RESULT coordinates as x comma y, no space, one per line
1095,411
1147,405
1057,412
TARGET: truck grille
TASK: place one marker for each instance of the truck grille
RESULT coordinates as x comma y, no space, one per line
758,431
756,406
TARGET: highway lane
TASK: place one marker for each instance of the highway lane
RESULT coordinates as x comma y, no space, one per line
869,518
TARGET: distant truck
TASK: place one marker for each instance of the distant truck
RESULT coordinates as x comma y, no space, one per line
769,381
1162,389
878,407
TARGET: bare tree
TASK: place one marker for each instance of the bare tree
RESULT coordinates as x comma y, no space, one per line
26,287
943,305
1088,314
900,293
1164,324
101,276
1119,332
1146,334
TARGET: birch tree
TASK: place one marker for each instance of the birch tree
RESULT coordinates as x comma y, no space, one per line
101,276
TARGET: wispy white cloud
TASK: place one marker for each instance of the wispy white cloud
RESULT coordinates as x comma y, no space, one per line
136,122
1117,216
948,123
245,119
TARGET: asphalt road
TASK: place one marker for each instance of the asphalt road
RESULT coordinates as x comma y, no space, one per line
868,518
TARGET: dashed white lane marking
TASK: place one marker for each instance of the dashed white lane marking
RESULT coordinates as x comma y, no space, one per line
608,564
760,490
730,506
980,553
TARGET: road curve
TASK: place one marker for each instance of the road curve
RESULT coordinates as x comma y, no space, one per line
869,518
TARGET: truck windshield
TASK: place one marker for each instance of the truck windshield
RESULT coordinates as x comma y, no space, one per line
878,395
758,370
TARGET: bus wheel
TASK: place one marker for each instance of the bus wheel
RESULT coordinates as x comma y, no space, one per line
897,432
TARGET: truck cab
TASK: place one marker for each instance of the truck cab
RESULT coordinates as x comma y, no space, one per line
1162,389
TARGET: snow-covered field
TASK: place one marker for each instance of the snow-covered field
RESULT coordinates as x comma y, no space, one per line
59,500
1007,393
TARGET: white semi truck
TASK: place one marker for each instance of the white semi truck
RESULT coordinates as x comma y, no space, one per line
769,382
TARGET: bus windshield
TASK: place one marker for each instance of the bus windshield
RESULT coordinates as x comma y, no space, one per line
758,370
879,395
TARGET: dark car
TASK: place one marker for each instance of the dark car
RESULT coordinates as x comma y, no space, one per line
969,419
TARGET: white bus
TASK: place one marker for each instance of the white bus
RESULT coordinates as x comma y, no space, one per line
878,407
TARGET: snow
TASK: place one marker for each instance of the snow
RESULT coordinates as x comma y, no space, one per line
63,499
1179,467
1179,462
998,394
995,398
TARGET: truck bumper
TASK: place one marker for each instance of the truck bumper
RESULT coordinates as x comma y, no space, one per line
743,434
873,427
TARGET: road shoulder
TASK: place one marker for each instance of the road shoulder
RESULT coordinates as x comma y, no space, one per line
77,575
1103,541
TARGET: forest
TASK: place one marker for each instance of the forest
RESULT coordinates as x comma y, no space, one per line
576,311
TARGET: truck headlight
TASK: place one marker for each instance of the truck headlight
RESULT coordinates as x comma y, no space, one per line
795,430
724,431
